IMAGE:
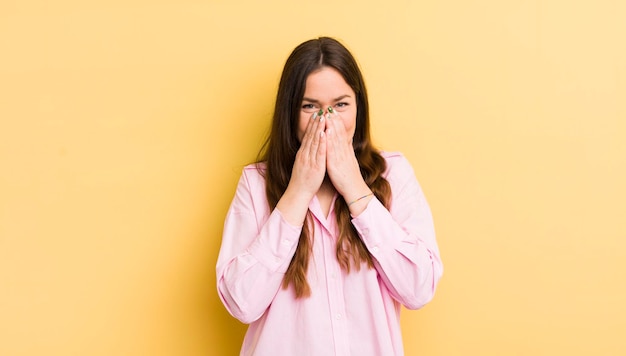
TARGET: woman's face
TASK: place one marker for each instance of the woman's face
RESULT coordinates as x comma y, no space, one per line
326,87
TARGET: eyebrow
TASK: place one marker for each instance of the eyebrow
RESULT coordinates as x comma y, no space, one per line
317,101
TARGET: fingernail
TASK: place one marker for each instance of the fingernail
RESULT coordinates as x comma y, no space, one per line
314,116
330,109
320,113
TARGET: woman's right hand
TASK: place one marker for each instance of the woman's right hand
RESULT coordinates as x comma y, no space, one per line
309,167
308,172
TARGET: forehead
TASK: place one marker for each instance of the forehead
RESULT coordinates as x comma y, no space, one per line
327,81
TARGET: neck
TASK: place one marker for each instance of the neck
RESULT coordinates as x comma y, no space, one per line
327,186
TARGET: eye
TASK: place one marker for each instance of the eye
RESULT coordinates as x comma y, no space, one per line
309,108
341,104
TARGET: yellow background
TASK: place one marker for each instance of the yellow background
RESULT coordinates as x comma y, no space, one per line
125,125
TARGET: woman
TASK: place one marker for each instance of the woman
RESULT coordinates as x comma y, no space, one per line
326,237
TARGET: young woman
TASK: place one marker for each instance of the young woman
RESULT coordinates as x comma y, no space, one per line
326,236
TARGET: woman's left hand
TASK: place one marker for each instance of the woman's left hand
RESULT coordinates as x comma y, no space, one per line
341,163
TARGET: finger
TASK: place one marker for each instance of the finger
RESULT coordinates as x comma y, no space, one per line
338,126
331,131
308,133
321,150
318,127
342,137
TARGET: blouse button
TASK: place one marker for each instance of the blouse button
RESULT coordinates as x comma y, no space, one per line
338,316
375,249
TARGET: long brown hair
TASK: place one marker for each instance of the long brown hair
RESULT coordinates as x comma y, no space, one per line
280,148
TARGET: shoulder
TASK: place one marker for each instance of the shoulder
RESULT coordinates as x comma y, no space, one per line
253,177
399,170
252,168
392,156
396,161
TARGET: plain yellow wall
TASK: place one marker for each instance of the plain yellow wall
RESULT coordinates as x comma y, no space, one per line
125,124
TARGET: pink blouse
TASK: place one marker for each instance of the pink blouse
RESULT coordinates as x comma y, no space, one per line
356,313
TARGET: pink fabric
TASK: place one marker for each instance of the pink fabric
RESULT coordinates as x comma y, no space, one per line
356,313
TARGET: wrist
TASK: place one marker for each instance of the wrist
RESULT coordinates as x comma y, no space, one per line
355,192
350,203
293,205
358,205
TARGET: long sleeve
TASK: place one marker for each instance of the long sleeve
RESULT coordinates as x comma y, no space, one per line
402,239
257,246
347,313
